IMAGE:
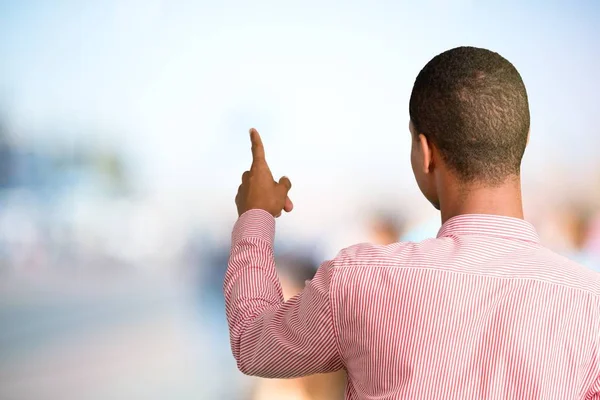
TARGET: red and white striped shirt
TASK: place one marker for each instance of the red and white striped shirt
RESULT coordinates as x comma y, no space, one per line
483,311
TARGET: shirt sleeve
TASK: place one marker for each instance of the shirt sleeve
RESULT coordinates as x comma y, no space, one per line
271,338
594,392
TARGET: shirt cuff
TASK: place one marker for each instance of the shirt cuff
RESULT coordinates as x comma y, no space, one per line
257,223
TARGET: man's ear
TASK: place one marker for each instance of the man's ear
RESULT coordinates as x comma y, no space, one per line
426,148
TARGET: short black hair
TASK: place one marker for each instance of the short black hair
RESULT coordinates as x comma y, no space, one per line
472,104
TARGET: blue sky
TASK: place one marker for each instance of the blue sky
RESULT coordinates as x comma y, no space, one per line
178,83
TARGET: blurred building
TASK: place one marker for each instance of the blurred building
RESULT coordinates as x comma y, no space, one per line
42,190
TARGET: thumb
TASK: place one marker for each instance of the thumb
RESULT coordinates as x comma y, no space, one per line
289,206
284,187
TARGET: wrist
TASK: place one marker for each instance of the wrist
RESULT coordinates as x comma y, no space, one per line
244,210
255,223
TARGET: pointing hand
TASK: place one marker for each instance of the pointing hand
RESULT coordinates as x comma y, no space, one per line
258,189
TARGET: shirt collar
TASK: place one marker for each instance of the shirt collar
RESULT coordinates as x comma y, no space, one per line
489,225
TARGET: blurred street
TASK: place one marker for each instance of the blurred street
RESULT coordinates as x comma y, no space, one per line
93,342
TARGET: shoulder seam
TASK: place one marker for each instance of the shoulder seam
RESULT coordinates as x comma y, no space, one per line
331,313
395,266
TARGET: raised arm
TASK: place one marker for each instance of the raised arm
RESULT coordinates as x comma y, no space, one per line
269,337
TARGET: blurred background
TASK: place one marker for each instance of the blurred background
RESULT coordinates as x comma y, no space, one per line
123,136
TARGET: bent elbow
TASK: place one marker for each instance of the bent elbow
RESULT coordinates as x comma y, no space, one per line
245,369
249,369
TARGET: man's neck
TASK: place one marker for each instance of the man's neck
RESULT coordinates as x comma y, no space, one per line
504,200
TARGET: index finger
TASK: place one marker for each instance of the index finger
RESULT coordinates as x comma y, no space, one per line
258,150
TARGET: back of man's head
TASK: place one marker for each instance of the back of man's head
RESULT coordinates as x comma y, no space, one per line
471,103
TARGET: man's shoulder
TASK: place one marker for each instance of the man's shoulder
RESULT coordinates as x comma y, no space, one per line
527,262
566,271
374,255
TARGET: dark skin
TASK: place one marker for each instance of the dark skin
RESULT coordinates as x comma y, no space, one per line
438,183
258,189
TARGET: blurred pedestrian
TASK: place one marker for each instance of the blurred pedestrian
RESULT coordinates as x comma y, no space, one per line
386,228
579,227
594,236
